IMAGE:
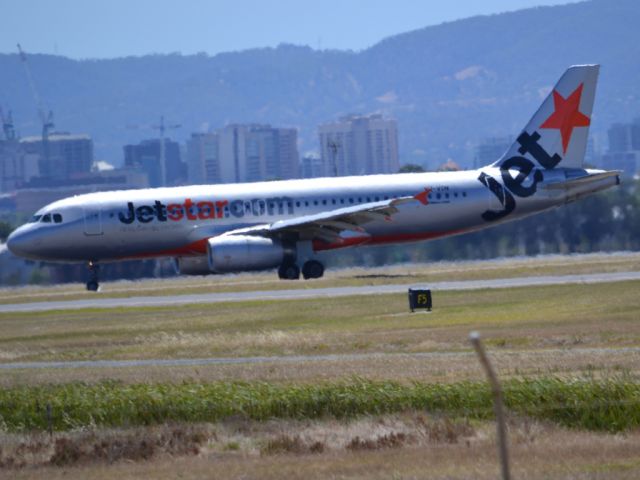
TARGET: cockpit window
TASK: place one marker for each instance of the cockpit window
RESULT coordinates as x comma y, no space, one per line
47,218
35,218
57,218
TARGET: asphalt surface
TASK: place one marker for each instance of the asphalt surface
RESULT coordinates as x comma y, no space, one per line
196,362
204,298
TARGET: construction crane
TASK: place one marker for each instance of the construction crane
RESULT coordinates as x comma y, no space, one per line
45,118
162,127
163,162
7,125
333,147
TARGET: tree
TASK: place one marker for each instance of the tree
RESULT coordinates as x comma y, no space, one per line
5,230
410,168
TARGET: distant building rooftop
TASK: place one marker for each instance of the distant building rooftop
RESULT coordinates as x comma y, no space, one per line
57,137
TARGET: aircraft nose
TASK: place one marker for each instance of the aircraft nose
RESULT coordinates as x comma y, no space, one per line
20,242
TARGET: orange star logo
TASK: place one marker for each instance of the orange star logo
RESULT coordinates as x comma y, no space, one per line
567,115
423,197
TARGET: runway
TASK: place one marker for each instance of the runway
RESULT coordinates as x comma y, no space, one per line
198,362
305,293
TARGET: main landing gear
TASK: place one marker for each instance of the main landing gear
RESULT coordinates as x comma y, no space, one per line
289,271
310,269
92,283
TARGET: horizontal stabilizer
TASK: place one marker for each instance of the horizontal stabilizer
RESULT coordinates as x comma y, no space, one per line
584,180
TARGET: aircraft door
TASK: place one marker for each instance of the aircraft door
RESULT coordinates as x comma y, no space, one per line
92,221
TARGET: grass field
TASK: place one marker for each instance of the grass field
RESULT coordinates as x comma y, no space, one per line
611,405
528,319
536,336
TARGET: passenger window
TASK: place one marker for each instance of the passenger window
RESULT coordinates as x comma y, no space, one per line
377,199
333,201
464,194
324,202
47,218
297,204
57,218
306,204
351,200
315,202
342,201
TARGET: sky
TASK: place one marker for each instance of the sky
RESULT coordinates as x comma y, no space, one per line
83,29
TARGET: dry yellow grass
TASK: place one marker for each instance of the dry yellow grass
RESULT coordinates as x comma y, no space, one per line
446,368
401,446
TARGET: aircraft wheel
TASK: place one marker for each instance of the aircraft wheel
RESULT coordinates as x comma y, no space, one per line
92,286
312,269
289,272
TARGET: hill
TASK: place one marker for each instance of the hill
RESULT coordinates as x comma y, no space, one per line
448,85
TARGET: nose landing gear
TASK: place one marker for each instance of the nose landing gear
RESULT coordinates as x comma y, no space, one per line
92,283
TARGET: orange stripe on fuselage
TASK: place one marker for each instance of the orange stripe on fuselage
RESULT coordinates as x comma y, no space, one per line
319,245
199,247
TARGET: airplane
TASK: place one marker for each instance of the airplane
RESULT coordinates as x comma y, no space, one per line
283,225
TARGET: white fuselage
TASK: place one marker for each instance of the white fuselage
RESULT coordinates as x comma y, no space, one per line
177,222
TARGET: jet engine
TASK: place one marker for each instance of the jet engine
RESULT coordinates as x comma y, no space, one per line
193,265
237,253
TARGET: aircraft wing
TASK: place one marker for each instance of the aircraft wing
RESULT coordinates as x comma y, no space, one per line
328,226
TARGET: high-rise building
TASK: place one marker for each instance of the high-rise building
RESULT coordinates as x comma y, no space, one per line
147,156
203,159
624,137
619,137
624,148
243,153
16,166
490,150
62,156
359,145
312,167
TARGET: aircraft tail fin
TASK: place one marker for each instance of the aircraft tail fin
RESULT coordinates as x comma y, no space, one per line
557,133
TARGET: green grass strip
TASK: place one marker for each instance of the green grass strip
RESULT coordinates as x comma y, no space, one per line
610,405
